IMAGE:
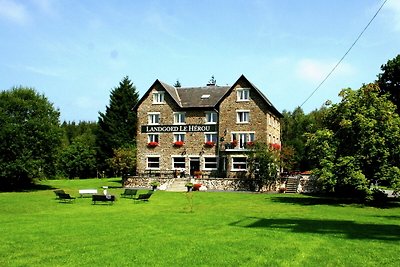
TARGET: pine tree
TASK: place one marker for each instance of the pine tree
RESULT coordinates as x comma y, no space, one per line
117,126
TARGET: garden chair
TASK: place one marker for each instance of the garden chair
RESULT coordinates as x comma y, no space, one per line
63,197
143,197
58,192
129,193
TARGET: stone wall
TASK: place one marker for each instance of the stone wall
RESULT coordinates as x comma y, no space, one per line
194,141
262,122
142,182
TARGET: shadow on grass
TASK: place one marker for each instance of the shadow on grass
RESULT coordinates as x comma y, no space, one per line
30,188
115,183
307,200
348,229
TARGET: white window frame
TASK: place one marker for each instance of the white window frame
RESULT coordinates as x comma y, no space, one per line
210,134
147,162
242,138
216,163
173,162
158,97
211,117
243,94
180,135
152,119
179,117
238,162
153,137
241,118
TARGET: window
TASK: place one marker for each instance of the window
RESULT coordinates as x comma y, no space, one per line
242,116
154,118
242,139
179,118
243,94
153,162
153,138
158,97
210,163
239,164
211,137
178,162
179,137
211,117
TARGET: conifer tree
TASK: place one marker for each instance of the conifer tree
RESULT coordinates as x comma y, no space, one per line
117,126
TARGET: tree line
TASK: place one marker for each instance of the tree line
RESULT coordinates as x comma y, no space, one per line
347,145
34,145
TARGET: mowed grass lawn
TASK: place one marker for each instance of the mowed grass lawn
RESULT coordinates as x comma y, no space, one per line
223,229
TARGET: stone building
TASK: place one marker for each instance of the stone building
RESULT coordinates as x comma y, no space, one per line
203,130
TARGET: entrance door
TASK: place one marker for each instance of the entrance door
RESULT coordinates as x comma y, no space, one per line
194,165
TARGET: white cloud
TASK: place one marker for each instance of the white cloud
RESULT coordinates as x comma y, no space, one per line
43,71
315,71
13,11
393,8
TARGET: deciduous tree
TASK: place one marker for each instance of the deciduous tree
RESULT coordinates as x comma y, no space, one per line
389,80
360,144
29,137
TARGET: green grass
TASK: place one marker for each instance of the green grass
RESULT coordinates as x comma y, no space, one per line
224,229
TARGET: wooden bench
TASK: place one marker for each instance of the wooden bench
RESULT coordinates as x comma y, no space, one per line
83,192
129,193
103,198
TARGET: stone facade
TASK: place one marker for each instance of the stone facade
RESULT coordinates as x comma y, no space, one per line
260,123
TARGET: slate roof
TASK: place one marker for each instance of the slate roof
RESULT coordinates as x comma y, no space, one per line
191,97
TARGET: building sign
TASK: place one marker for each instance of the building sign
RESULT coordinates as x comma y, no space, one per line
178,128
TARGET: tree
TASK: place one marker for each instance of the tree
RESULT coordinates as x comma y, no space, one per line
124,161
359,144
294,127
263,163
78,159
117,126
29,137
389,80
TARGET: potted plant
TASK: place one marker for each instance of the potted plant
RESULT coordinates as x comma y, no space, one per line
282,189
197,174
154,185
250,144
178,143
152,144
196,187
234,143
189,186
209,144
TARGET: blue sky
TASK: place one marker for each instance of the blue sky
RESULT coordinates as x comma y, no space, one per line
76,52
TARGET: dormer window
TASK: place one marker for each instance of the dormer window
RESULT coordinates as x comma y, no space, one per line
158,97
243,94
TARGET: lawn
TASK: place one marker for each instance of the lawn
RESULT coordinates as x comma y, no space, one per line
204,228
